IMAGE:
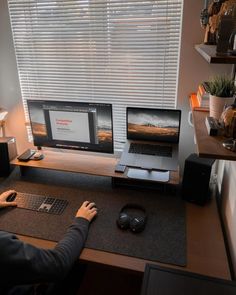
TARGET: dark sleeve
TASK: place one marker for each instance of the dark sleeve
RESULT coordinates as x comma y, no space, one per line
22,263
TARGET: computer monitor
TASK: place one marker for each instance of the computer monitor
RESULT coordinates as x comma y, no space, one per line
72,125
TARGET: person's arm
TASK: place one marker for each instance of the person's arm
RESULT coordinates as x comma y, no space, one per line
23,263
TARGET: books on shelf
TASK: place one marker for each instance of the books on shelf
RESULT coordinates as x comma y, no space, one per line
203,95
195,104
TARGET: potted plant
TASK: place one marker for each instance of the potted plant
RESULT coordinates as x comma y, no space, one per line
222,90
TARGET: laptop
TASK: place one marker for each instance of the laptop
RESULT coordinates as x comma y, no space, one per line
152,138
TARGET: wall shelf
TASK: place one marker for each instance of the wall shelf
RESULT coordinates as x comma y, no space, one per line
210,146
208,52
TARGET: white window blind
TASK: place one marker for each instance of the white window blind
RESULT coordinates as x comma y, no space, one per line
113,51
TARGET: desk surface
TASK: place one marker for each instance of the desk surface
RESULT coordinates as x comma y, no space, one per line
206,252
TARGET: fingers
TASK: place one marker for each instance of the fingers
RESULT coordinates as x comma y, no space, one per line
88,204
9,191
91,205
85,204
94,213
7,204
5,194
88,210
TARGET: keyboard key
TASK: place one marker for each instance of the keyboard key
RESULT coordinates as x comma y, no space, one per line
150,149
41,203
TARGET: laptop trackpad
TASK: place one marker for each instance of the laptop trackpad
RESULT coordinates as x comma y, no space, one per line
149,162
160,176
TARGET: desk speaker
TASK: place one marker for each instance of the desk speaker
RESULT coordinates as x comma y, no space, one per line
196,179
7,153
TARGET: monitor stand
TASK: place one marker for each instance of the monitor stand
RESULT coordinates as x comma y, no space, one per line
145,174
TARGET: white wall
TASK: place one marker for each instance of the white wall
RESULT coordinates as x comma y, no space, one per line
10,96
193,69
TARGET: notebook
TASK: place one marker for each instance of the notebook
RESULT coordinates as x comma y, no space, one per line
152,138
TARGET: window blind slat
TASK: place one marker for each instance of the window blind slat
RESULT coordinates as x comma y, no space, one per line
114,51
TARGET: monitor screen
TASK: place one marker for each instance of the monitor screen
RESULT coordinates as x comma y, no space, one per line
72,125
153,124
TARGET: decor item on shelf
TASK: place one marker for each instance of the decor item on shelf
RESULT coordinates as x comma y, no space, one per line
226,27
219,22
228,122
204,16
231,47
211,27
203,95
222,90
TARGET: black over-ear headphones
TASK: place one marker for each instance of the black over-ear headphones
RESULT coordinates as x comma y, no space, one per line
135,223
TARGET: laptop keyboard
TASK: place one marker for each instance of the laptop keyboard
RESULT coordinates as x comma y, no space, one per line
150,149
41,203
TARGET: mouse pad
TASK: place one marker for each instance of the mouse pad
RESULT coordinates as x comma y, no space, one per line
164,236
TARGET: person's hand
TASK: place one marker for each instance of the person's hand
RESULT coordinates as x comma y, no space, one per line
87,211
3,197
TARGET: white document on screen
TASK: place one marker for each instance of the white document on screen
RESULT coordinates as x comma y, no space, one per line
69,126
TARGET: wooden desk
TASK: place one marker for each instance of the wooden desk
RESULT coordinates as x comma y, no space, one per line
82,163
205,245
206,252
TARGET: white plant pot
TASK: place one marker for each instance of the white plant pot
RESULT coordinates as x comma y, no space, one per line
217,105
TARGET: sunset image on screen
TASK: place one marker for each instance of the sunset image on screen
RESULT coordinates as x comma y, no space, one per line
104,131
149,130
39,129
153,124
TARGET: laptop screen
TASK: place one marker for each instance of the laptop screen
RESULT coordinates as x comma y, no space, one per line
153,124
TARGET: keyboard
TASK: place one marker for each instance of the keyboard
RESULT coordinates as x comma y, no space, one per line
150,149
40,203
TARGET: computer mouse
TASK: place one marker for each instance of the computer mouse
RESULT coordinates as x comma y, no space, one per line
11,197
94,206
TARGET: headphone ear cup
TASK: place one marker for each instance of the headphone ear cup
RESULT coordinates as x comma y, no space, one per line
123,221
137,224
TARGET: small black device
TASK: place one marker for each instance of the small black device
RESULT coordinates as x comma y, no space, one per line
11,197
136,223
162,280
120,168
196,179
40,203
8,152
212,126
26,155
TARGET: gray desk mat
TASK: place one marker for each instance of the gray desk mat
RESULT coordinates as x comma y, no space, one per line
164,237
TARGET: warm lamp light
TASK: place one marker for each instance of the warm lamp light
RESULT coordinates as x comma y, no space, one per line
3,115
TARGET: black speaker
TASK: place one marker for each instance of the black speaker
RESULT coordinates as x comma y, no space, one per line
7,153
196,179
